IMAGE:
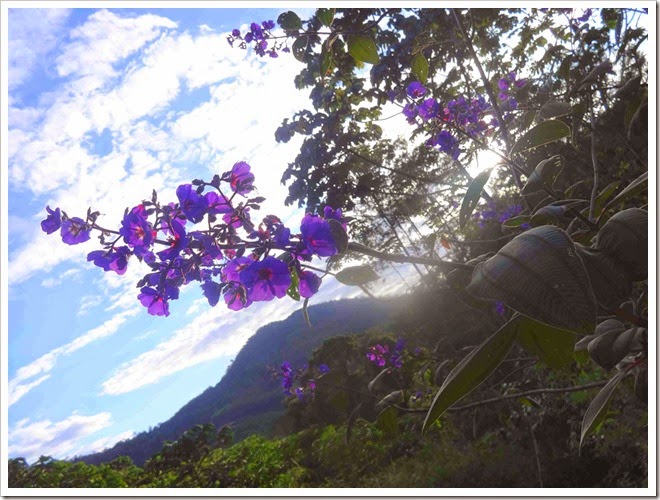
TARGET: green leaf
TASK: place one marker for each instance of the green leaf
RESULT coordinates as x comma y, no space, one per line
289,21
516,221
553,109
363,48
326,16
388,422
326,59
633,189
420,67
299,47
597,410
293,291
543,133
603,196
338,235
306,312
553,346
383,372
544,175
472,195
356,275
472,370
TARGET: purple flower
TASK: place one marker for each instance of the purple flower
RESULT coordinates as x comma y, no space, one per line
234,218
316,236
377,353
447,144
234,267
429,108
154,301
236,297
212,291
240,178
410,112
178,242
135,228
53,222
266,279
281,236
193,205
503,84
323,368
217,203
500,308
309,283
585,16
112,260
415,89
74,231
268,25
235,33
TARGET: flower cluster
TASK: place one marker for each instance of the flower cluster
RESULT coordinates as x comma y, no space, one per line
506,84
259,35
238,267
468,116
381,355
295,381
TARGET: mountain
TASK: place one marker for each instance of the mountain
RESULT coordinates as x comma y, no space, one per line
247,397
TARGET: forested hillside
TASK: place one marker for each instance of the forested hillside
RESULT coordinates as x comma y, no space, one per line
247,397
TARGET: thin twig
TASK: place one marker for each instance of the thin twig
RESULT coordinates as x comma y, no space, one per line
594,161
407,259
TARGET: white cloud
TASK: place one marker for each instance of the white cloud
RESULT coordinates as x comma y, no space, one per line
56,439
21,383
214,333
26,27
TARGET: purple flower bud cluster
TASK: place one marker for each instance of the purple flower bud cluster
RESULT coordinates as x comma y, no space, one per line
296,381
231,257
467,115
506,84
381,355
259,36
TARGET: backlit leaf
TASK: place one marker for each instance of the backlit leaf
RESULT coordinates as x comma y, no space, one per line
420,67
472,370
553,346
356,275
363,48
543,133
597,410
472,195
299,47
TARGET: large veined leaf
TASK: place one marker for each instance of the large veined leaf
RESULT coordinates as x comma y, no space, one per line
544,133
363,48
539,274
472,195
597,410
472,370
356,275
553,346
610,282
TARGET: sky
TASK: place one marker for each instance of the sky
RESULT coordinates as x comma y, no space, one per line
104,106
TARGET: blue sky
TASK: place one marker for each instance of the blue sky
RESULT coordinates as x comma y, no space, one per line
104,106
